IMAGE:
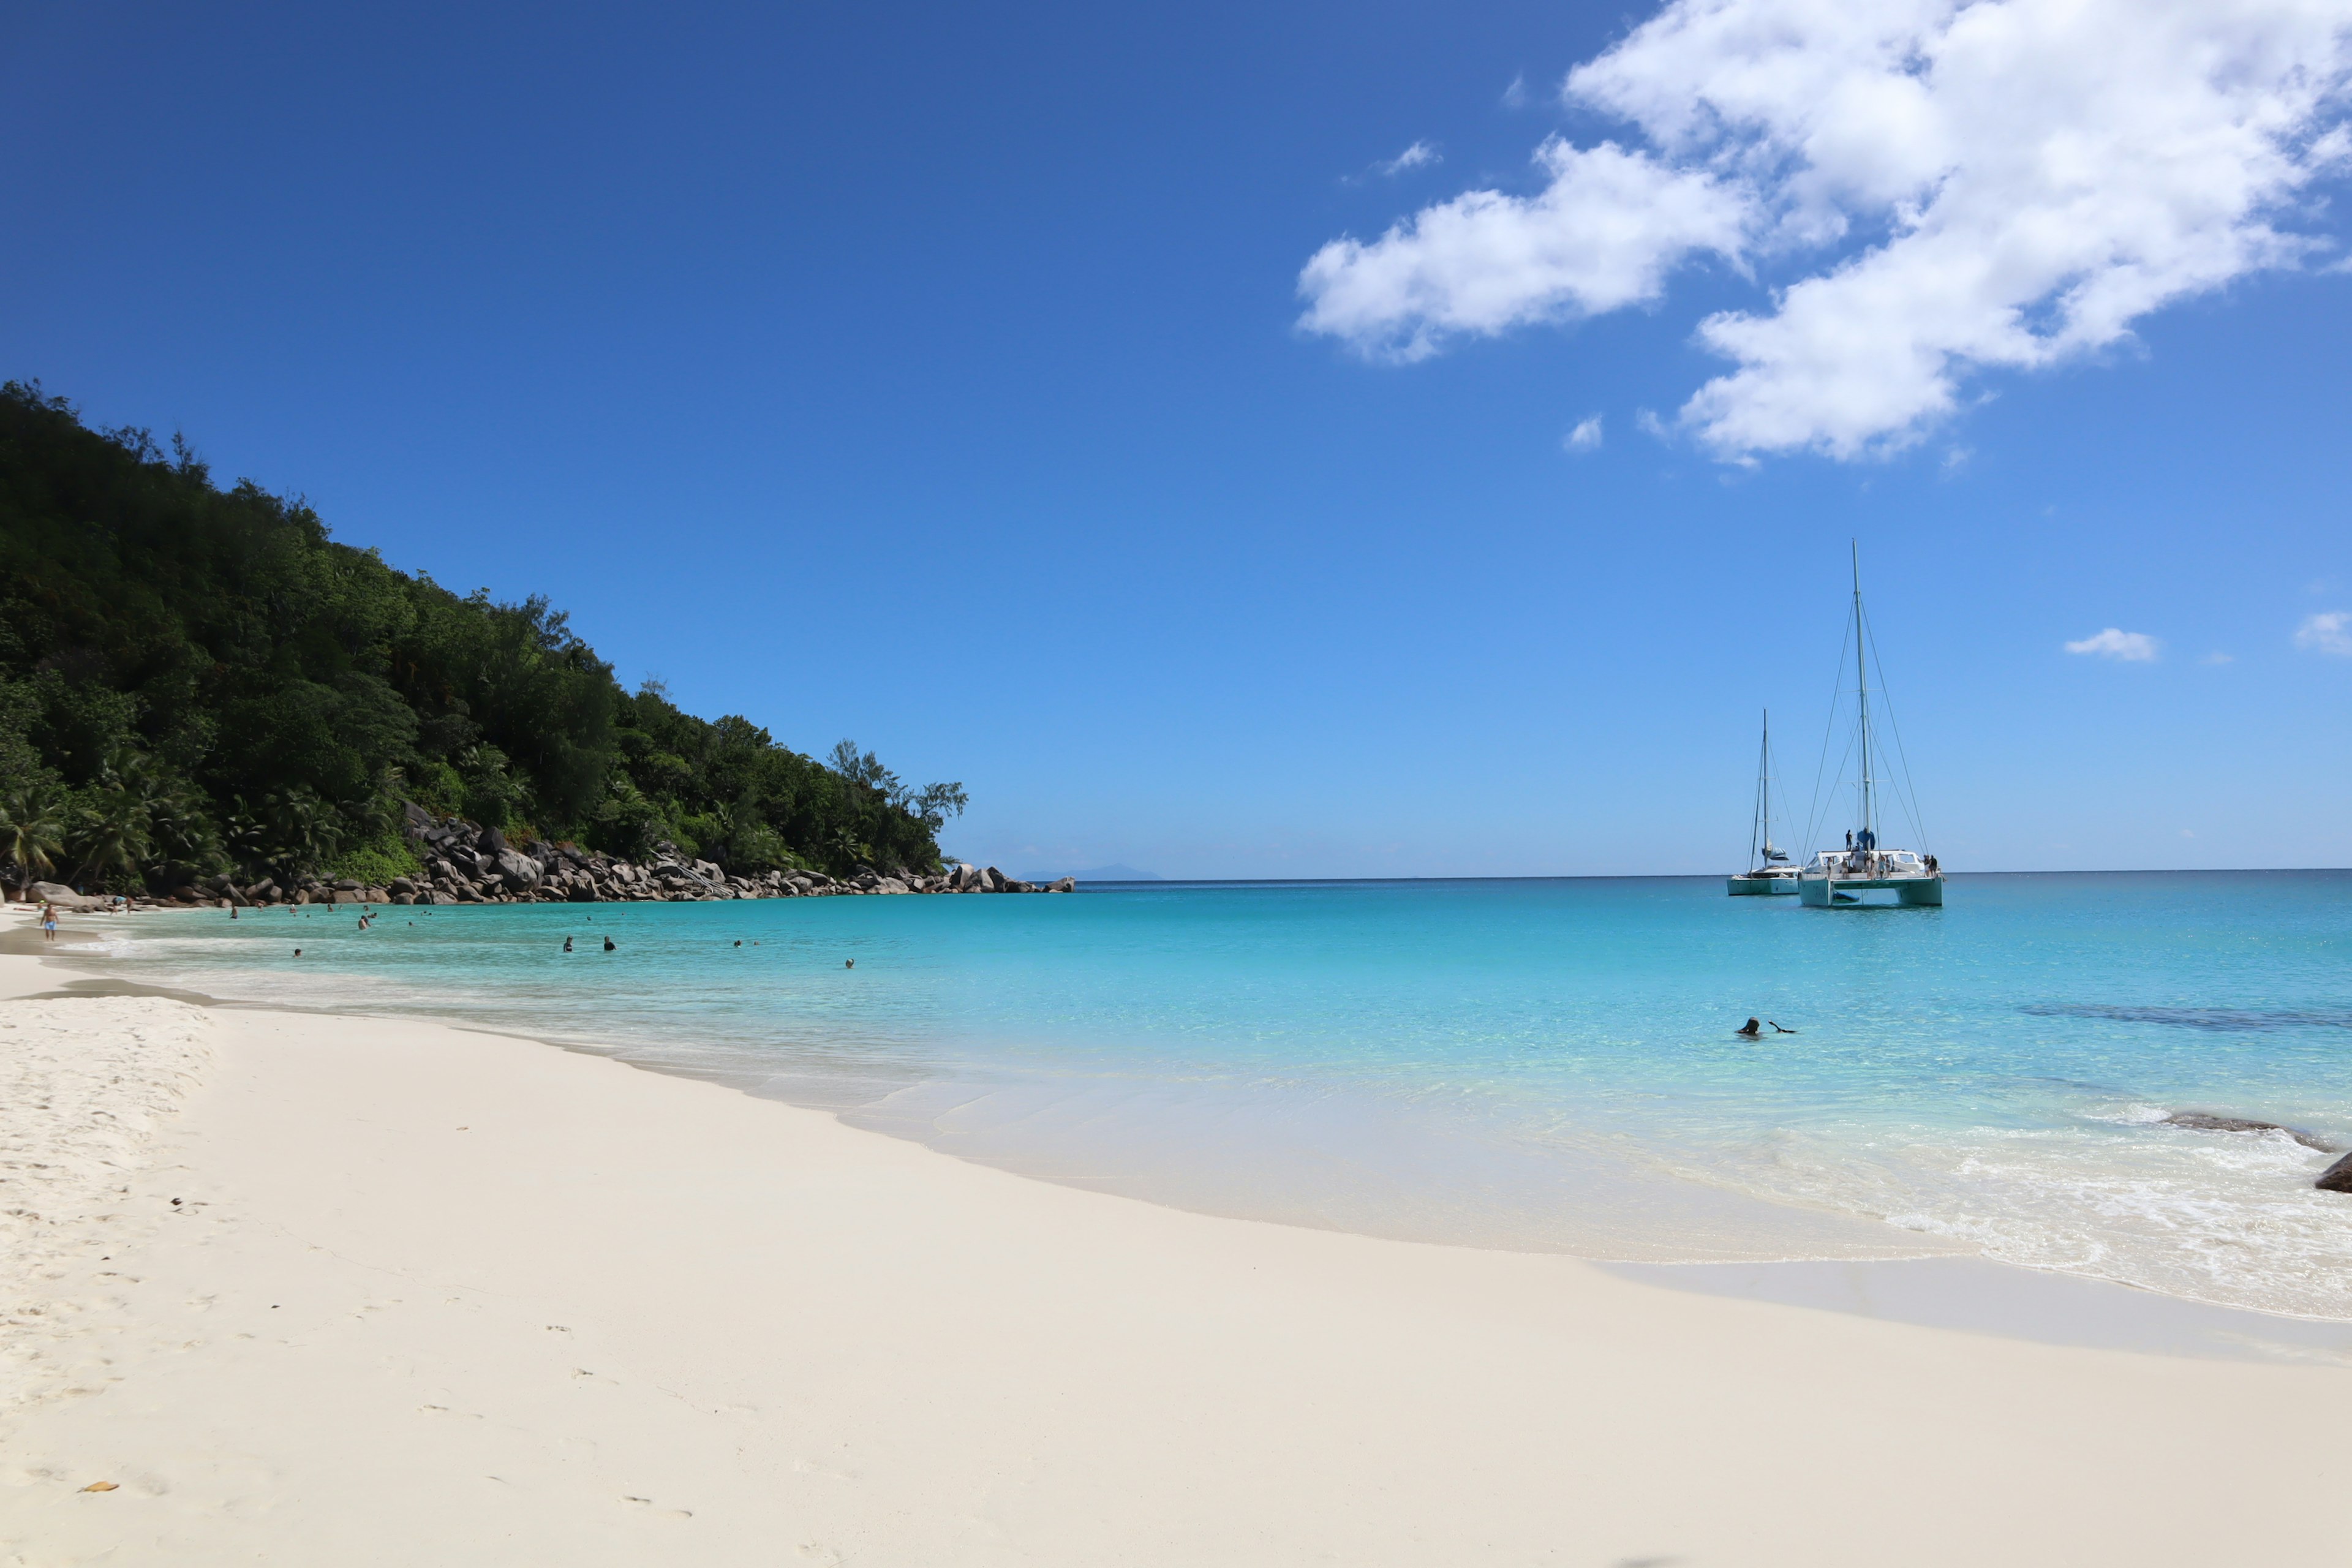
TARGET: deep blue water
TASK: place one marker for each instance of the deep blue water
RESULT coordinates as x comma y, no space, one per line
1530,1063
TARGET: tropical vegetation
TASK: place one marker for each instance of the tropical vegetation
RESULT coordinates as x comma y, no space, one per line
196,680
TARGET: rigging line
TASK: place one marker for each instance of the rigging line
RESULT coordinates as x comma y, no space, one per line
1837,690
1918,823
1918,817
1763,773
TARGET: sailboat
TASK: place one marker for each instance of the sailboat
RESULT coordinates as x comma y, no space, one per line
1769,868
1866,872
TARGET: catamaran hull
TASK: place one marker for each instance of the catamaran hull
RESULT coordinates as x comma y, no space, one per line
1752,886
1855,892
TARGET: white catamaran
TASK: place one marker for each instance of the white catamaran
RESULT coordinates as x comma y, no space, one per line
1864,872
1769,869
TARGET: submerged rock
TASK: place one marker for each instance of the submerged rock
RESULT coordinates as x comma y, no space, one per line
2201,1121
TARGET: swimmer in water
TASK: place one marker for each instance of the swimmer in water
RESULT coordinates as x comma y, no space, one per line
850,964
567,944
298,952
1751,1028
738,942
609,944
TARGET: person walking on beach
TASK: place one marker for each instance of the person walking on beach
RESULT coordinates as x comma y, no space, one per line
49,920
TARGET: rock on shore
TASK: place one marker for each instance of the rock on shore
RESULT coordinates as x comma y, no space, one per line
464,863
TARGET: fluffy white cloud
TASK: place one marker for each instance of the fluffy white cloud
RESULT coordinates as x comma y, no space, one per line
2135,647
1953,186
1585,438
2328,632
1602,234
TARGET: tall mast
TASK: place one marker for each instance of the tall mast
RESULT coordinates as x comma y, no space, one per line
1761,829
1862,694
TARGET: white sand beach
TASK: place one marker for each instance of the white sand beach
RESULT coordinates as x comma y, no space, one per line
432,1296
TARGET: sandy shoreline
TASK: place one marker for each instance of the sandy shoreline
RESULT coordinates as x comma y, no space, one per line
432,1295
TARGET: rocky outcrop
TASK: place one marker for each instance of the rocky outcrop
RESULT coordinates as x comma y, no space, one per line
65,897
464,864
2336,1178
2203,1122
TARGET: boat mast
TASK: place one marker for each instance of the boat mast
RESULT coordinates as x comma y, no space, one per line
1762,827
1861,695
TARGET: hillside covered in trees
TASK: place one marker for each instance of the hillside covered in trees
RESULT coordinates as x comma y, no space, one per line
196,680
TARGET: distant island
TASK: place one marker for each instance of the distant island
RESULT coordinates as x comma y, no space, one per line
198,685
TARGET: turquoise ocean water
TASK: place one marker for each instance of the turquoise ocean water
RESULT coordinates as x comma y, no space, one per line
1539,1064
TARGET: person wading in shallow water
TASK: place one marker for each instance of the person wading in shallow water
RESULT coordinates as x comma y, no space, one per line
609,944
567,944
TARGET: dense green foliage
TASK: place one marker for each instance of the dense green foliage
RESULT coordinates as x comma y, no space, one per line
195,679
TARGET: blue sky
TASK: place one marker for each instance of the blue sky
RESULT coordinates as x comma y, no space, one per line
944,379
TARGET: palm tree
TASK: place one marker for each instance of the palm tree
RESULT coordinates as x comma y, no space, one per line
32,832
290,833
112,833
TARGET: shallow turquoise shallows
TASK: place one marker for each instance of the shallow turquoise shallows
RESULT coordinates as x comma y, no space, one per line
1541,1064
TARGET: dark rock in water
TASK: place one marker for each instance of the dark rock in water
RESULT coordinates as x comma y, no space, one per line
2200,1121
2336,1178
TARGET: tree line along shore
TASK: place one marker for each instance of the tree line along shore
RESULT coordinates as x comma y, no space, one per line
463,862
202,692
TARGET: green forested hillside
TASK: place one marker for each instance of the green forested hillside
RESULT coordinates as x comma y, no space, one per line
195,679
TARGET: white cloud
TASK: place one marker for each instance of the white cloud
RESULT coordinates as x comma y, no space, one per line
2328,632
2218,656
1413,157
2007,184
1515,95
2135,647
1585,438
1601,234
